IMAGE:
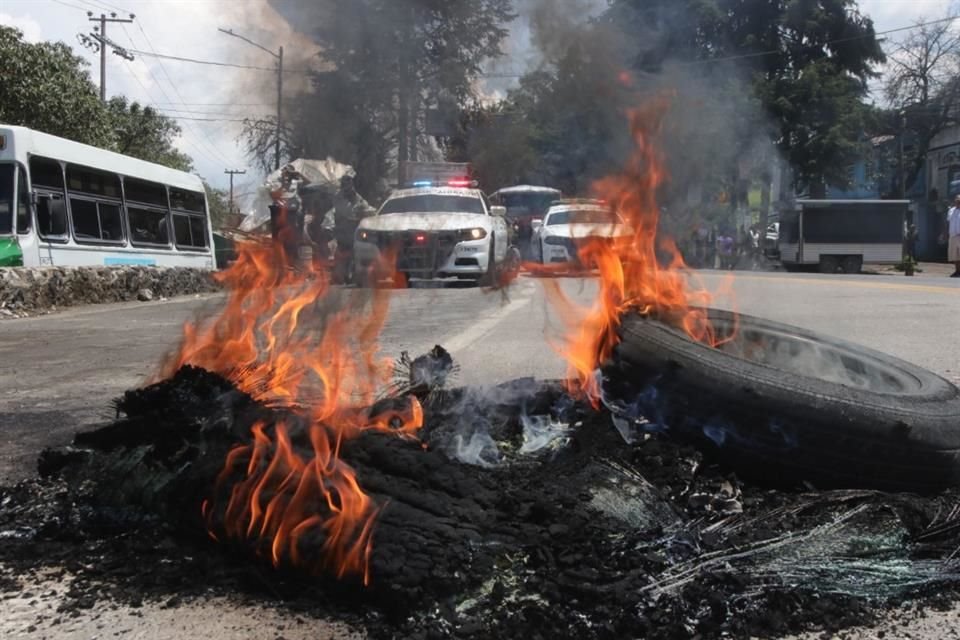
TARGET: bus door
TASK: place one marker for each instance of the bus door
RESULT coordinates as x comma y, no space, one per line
10,254
51,227
26,224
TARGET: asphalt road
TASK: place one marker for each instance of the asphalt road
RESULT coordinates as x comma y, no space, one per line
63,370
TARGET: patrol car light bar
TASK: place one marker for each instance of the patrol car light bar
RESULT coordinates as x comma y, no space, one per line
457,182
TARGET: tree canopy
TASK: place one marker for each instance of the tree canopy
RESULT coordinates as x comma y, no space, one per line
922,88
808,62
145,133
46,87
384,63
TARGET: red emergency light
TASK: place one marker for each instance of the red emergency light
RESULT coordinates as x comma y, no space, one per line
460,182
420,238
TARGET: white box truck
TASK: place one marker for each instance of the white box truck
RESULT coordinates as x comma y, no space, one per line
840,235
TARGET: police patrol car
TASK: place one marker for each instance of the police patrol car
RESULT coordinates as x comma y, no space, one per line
436,232
570,223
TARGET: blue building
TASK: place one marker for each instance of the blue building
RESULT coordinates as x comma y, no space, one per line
876,177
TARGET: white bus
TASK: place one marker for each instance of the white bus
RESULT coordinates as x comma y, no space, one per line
63,203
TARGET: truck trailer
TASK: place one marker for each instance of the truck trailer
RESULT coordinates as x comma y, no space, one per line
840,235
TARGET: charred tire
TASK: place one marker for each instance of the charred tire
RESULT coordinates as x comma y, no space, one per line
875,422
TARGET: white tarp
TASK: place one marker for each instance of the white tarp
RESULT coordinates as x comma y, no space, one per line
323,173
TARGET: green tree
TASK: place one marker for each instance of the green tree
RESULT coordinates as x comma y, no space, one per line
218,204
46,87
498,142
386,61
144,133
922,87
573,107
808,62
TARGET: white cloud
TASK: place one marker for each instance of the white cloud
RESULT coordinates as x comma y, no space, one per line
32,32
191,93
893,14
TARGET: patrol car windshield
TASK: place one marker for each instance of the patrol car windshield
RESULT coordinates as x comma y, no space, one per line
433,203
589,216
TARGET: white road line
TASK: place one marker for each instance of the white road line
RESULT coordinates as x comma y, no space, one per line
521,295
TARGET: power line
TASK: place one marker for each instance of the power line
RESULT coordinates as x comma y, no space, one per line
216,63
199,112
193,143
218,104
109,6
197,119
173,85
101,6
98,42
758,54
71,5
189,141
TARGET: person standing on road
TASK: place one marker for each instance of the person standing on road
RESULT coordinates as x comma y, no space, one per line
710,247
756,254
349,208
286,214
953,236
726,247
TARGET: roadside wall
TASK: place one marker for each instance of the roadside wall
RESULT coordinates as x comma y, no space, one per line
26,291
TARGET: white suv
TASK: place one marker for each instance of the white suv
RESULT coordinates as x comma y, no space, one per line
437,232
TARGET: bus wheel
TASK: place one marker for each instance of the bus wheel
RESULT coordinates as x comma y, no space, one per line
829,264
851,264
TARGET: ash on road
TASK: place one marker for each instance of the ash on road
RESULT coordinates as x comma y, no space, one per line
63,371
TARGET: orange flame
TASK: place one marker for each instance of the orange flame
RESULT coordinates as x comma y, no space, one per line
274,341
631,274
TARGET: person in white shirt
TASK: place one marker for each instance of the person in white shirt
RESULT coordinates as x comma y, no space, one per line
953,235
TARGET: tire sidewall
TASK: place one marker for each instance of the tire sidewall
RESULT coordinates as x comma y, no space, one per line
790,419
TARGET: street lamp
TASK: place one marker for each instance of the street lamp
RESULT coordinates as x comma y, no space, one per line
279,57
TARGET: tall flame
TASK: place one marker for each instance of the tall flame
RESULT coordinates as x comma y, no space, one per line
275,342
642,272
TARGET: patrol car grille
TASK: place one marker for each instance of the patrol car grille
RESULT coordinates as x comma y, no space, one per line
419,252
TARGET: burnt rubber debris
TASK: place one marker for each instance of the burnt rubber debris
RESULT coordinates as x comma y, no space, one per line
517,511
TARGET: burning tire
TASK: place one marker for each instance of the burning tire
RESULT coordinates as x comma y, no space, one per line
787,405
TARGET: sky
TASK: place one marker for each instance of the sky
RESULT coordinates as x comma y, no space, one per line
209,101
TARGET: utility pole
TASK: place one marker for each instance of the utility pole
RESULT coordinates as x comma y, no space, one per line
276,149
231,173
279,58
99,35
901,166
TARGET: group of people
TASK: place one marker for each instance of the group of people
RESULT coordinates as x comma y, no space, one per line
715,247
334,221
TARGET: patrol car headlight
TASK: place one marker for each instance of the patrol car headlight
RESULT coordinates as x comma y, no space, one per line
477,233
